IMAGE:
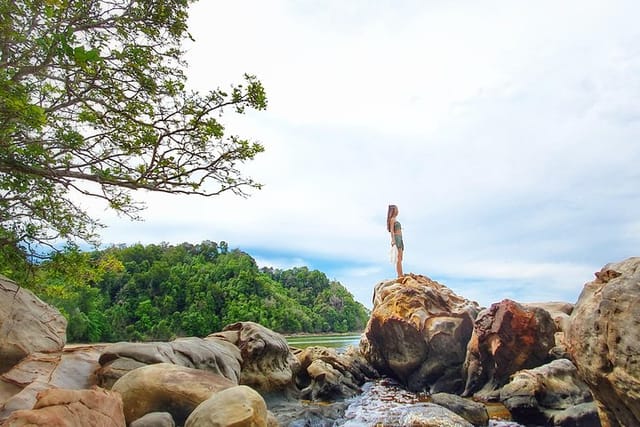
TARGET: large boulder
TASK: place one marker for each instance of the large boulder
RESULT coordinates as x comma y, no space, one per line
168,388
507,337
235,406
418,333
27,325
210,354
268,365
604,341
552,394
72,369
71,408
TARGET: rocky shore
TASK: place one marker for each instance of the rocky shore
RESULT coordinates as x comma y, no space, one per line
555,364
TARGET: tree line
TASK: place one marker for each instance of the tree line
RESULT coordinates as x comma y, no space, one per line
161,291
94,105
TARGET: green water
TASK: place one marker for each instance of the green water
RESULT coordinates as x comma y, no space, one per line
338,341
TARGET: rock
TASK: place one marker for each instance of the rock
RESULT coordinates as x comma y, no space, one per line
358,366
112,370
168,388
582,414
268,364
154,419
604,341
211,354
235,406
329,383
427,415
418,333
72,408
326,375
507,337
27,325
474,412
302,413
71,369
549,395
24,399
559,312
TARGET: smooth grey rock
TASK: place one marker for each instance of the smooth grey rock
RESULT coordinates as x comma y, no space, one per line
214,355
268,365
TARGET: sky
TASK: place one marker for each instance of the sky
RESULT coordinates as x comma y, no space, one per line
506,132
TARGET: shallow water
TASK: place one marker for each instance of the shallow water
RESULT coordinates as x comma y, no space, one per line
338,341
384,402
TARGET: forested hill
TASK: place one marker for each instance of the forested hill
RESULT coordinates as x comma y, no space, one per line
158,292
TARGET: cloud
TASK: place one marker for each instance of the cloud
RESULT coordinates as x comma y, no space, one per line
280,263
506,132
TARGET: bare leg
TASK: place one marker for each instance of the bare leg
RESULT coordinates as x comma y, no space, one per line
399,263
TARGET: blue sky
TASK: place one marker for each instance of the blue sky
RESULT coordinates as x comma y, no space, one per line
506,132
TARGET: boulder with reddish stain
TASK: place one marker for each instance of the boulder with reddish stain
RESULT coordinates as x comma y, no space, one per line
27,325
604,341
507,337
418,333
72,408
267,361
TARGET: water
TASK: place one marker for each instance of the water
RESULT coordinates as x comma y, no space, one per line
338,341
385,402
382,401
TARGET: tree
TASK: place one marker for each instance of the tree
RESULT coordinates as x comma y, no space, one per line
93,102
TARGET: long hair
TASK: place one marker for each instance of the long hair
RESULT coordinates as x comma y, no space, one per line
391,212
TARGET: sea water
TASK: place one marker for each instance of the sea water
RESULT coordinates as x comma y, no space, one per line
338,341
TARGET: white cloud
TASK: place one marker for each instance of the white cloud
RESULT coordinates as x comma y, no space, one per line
505,131
280,262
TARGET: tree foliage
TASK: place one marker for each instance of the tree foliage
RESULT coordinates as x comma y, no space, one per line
162,291
93,102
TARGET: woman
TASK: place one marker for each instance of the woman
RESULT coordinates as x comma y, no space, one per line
394,228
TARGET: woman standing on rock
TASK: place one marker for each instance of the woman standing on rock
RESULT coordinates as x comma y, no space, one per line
394,228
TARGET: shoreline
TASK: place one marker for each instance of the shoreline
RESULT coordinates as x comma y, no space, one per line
322,334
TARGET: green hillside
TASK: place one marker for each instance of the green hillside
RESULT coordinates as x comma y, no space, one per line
158,292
